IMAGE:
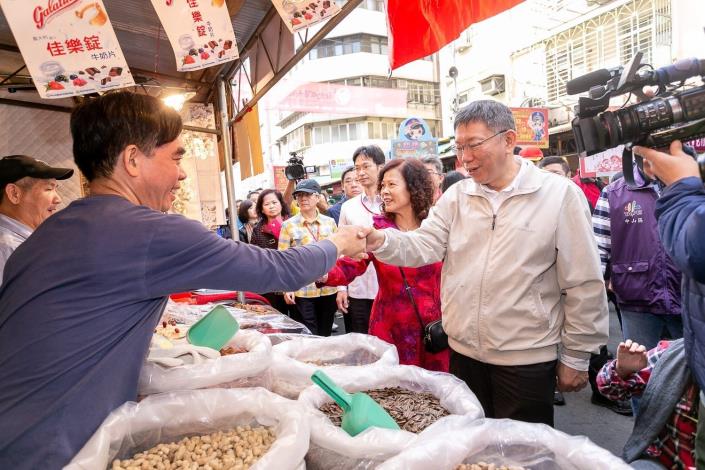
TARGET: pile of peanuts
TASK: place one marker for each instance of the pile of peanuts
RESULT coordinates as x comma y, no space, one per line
231,450
486,466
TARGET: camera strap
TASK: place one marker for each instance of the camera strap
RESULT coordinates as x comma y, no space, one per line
628,160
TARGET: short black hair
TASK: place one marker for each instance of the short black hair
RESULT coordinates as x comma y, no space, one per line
242,211
553,160
372,152
102,127
450,179
260,204
345,173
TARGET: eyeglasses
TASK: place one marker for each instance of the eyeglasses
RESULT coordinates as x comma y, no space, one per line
460,149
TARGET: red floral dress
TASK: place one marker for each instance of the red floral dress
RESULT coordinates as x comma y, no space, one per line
393,318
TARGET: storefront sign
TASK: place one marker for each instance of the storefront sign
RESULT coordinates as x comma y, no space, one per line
532,126
200,32
337,167
280,180
414,140
601,164
300,14
342,99
69,46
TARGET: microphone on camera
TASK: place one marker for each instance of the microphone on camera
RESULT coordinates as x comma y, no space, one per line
592,79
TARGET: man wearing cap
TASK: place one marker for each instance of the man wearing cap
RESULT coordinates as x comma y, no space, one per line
315,306
27,197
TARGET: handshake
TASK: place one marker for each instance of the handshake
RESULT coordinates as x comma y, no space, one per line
355,241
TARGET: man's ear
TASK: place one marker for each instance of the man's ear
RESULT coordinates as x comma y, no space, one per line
129,160
13,193
510,137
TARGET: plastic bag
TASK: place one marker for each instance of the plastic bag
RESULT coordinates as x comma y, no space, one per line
331,447
237,370
135,427
294,361
502,442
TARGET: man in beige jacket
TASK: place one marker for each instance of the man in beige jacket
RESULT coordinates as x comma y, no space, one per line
523,298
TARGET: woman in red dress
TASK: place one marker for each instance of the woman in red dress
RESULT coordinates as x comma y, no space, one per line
407,191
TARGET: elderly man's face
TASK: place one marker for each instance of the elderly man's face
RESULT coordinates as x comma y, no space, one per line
161,176
484,152
36,199
351,187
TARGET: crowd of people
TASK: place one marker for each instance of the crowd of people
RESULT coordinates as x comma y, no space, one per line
517,258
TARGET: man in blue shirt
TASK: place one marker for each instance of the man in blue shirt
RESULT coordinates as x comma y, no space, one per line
82,296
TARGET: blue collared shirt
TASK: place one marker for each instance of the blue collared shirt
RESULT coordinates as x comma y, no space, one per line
12,234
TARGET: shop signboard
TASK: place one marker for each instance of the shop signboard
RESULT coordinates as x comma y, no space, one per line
280,180
414,140
603,164
300,14
532,126
338,166
69,46
200,32
342,99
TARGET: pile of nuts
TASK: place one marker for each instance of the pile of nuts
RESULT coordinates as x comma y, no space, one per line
231,450
229,350
413,411
486,466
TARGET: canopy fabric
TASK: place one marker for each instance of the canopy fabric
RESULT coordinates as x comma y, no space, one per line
420,28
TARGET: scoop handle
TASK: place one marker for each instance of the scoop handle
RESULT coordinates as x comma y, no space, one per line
340,396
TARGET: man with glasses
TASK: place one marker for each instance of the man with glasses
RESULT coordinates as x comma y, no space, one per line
356,300
522,294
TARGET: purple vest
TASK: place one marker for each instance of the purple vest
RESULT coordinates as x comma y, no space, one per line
643,276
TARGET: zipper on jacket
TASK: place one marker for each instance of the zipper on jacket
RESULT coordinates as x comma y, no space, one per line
494,220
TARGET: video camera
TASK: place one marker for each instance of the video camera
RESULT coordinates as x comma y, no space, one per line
295,168
654,122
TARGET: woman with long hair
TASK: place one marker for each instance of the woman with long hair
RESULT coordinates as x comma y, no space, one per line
271,212
248,216
407,190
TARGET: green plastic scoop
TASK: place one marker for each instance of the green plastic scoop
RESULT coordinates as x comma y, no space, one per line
213,330
360,411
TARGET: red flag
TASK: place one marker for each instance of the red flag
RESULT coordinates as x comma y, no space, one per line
420,28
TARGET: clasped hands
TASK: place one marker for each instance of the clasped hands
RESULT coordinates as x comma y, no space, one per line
356,241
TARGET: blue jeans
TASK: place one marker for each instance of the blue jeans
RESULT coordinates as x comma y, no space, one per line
648,329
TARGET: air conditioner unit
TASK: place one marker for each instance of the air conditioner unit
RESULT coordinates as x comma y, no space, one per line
492,85
462,44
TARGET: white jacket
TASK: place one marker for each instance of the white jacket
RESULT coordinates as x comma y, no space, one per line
518,284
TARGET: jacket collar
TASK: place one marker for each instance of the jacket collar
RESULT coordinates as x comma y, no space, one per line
530,181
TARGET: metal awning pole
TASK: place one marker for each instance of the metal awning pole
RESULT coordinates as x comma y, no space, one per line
229,179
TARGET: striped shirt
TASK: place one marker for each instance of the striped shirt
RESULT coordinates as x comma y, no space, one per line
601,228
297,232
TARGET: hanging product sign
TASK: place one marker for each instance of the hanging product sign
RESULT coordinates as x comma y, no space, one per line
338,166
200,31
601,164
532,126
415,140
300,14
69,46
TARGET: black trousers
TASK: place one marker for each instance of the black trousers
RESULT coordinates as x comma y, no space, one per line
357,320
524,393
317,313
277,301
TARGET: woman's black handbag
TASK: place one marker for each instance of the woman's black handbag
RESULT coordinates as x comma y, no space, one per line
434,337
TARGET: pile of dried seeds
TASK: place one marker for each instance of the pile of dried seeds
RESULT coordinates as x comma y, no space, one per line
413,411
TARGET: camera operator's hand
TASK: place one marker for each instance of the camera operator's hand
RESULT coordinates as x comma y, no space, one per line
351,241
668,168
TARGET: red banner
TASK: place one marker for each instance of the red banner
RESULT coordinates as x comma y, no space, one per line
342,99
418,29
280,180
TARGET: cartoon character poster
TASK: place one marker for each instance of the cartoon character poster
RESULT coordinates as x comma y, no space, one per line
532,126
414,140
601,164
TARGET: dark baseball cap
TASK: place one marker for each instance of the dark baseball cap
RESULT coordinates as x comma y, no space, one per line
308,186
16,167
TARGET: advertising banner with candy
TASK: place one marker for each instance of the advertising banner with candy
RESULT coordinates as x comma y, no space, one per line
300,14
200,31
69,46
602,164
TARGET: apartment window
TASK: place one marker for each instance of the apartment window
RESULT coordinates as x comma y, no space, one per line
608,40
349,45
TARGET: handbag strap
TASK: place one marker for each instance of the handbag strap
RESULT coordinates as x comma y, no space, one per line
407,288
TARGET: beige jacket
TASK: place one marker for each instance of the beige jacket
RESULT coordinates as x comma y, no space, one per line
516,285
